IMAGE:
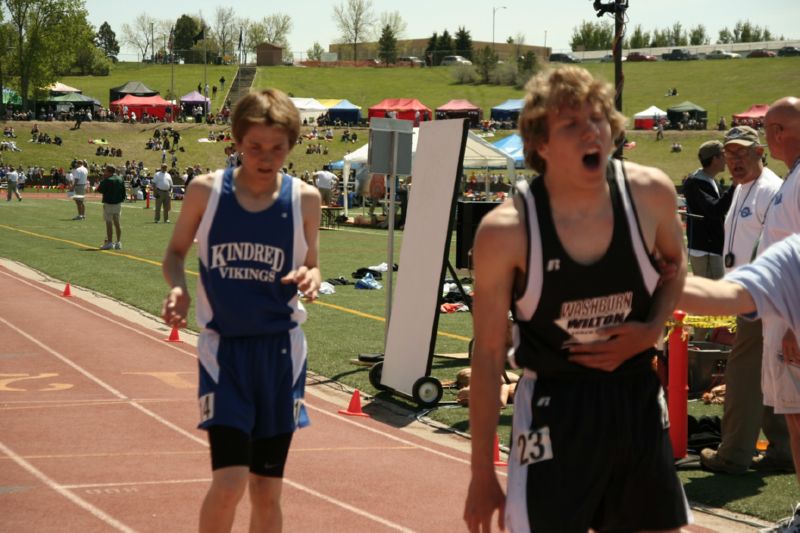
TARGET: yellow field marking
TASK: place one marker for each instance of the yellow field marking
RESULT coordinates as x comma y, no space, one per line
173,379
158,264
7,379
381,319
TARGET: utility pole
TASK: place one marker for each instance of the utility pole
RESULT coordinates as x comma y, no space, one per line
617,8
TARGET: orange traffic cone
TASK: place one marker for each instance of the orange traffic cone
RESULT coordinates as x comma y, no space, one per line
67,291
354,409
173,335
497,460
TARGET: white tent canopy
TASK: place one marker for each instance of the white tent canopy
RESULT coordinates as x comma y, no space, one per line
477,154
309,109
651,112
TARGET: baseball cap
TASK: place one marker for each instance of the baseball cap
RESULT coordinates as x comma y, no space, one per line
709,149
744,135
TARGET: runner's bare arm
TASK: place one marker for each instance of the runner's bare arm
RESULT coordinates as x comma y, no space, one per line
656,203
498,255
176,304
308,277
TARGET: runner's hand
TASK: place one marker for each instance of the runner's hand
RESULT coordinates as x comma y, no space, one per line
484,497
176,307
626,340
306,279
791,352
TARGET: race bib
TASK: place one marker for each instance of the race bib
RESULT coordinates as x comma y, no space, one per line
206,402
535,446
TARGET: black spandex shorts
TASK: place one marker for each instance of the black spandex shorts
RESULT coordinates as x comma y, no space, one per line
233,447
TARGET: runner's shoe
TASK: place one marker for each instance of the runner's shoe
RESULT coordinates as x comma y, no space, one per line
108,245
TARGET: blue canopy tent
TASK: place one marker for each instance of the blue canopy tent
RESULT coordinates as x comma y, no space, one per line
512,145
346,112
508,110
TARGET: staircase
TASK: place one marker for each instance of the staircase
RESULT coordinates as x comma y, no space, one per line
242,82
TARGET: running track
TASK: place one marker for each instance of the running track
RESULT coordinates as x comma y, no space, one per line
97,414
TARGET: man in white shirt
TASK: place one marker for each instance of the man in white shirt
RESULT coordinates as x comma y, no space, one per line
80,176
162,182
745,414
325,181
11,181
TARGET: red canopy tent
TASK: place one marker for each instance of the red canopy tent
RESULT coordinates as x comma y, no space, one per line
460,109
155,106
404,109
752,117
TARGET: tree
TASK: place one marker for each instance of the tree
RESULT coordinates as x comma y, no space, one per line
395,21
592,36
276,31
639,38
186,28
106,41
355,21
41,53
677,35
463,43
315,52
430,50
387,46
444,46
725,36
661,38
698,36
485,60
224,29
140,34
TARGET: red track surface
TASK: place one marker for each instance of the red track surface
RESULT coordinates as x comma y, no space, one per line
98,434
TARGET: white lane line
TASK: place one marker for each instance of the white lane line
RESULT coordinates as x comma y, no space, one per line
347,506
112,319
389,436
102,383
185,433
77,500
137,483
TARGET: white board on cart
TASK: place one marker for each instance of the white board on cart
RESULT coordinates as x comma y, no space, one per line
411,336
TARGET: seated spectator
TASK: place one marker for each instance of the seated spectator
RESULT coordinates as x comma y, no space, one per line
676,147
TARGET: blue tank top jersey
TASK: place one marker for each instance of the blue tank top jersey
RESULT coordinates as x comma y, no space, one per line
565,302
243,255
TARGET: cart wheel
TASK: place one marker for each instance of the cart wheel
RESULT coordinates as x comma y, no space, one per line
375,372
427,391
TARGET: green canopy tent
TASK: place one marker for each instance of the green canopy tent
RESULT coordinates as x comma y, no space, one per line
689,115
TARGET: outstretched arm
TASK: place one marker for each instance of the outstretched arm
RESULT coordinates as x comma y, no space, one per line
703,296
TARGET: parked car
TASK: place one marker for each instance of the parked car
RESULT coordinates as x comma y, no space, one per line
450,61
638,56
789,51
609,58
412,61
679,54
762,53
564,58
722,54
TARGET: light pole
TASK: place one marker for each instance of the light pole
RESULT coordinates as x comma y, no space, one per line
494,10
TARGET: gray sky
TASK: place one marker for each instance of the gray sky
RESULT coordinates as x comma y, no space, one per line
537,20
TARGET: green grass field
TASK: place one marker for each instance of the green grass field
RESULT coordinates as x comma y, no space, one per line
40,233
